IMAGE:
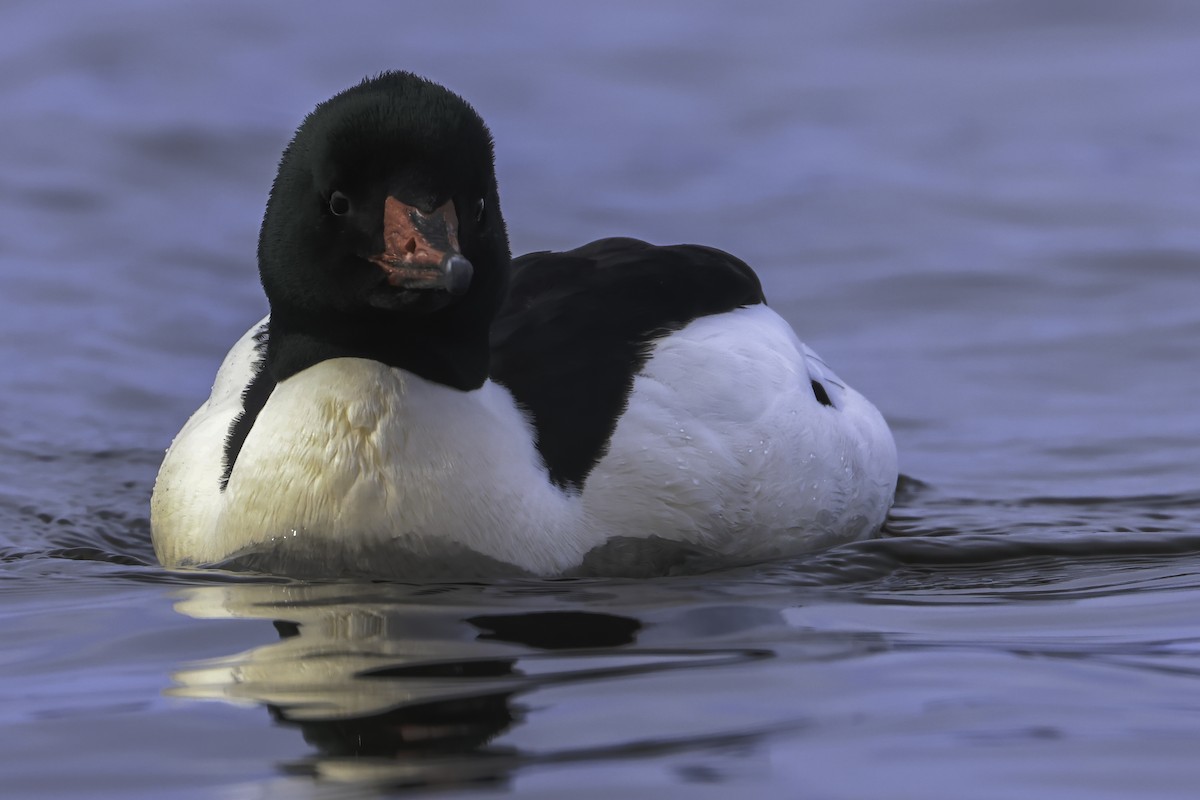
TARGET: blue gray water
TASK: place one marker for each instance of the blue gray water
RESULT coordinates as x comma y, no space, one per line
983,214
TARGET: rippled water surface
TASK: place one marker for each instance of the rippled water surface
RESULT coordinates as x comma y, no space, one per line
983,213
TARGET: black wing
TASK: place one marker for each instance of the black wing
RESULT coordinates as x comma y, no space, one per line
577,327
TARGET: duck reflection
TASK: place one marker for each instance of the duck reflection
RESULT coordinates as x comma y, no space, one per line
410,686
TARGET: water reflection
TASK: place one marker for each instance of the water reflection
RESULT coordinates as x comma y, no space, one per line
413,687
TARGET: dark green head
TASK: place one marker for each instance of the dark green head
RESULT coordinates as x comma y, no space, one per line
383,237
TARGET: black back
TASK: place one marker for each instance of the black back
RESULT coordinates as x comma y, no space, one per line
578,326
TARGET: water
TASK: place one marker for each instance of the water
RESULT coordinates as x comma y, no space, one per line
983,214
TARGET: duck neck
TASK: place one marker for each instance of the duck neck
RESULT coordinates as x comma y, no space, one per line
451,355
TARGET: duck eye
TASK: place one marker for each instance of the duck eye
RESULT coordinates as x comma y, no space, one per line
339,204
479,209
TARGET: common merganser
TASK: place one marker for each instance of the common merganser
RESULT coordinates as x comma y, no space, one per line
417,401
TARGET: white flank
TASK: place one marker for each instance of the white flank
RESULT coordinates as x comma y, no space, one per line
723,444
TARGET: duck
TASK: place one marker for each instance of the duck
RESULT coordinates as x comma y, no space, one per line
420,402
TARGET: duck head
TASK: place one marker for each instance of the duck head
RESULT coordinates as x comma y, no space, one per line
382,237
